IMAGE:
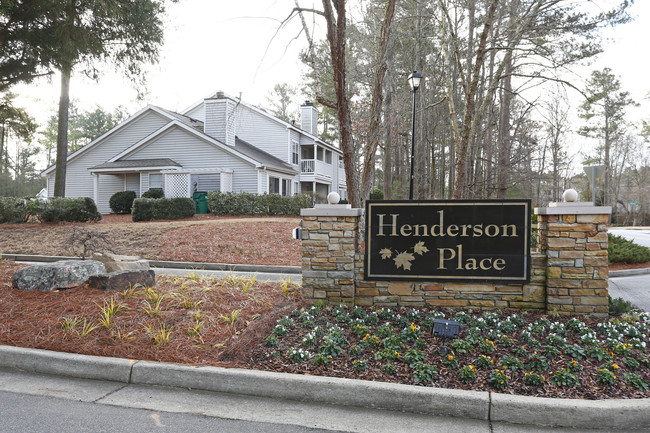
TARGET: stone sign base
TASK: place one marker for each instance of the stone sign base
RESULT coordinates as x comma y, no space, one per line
568,274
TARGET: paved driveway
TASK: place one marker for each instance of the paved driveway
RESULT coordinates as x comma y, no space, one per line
635,289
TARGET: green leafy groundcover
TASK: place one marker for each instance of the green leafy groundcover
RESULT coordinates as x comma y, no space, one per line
525,353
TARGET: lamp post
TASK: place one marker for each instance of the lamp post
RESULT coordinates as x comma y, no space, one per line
414,81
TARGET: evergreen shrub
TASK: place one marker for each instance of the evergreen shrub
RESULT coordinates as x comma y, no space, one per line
244,203
154,193
69,209
122,202
148,209
13,210
621,250
376,194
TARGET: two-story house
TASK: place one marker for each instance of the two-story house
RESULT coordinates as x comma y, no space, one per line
218,144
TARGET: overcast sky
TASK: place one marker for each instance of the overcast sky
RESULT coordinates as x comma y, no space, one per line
233,46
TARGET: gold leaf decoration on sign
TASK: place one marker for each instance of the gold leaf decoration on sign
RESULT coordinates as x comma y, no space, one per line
404,260
386,253
420,249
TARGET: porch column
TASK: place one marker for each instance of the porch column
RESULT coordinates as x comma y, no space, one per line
96,187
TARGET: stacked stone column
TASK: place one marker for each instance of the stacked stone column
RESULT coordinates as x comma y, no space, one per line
573,236
330,239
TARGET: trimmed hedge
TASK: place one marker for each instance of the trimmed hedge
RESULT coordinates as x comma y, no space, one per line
122,202
69,209
148,209
13,210
154,193
245,203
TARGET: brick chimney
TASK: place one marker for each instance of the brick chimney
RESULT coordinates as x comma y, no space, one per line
220,118
309,118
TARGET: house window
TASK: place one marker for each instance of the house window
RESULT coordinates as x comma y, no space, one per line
295,149
328,156
279,186
319,154
274,185
340,162
155,180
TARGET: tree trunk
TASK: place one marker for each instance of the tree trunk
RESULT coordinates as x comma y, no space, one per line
2,146
503,165
388,148
62,133
376,104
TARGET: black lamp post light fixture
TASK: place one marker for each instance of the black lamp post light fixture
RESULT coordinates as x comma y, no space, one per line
414,81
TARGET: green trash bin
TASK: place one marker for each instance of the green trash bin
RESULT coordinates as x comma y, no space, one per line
201,202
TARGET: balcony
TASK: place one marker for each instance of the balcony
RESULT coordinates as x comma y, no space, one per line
316,168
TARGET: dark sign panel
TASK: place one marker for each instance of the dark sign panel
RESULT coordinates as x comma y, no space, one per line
448,240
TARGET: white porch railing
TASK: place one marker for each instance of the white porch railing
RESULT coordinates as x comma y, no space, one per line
314,166
307,165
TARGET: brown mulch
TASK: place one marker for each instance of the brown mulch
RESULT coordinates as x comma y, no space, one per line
624,266
277,359
36,319
202,238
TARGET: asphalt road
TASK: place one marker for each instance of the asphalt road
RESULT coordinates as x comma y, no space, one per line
39,414
38,403
634,289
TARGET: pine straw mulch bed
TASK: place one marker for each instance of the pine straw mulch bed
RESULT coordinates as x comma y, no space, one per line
237,322
202,238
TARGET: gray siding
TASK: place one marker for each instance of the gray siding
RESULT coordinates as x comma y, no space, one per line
221,123
79,182
133,183
109,184
192,152
268,135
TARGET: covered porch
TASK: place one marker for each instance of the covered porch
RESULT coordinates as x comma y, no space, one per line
142,175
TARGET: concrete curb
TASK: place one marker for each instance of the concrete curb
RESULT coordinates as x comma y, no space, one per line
339,391
624,414
172,265
66,364
239,267
584,414
628,272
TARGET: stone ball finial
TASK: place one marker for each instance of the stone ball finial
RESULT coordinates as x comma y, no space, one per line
570,195
333,198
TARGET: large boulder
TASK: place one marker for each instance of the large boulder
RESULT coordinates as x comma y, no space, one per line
118,263
122,280
55,276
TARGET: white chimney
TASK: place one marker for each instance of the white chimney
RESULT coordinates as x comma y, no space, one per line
309,118
220,118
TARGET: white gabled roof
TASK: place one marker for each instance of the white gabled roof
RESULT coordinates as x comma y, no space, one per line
107,134
179,124
269,116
